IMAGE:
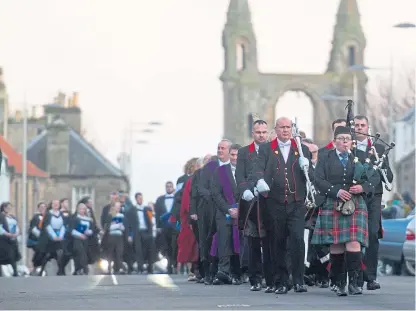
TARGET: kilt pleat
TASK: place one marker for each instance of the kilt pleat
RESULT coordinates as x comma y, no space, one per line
334,228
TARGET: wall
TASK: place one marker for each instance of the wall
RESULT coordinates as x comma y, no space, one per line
15,134
57,153
405,174
4,181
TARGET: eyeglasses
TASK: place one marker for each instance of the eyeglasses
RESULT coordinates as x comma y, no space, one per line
347,139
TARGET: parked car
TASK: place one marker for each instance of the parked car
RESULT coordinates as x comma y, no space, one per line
391,250
409,247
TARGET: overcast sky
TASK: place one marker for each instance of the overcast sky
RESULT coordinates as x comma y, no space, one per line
160,60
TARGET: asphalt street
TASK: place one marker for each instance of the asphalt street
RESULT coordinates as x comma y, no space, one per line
141,292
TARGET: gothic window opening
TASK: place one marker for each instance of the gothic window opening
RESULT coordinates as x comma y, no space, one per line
241,57
351,56
250,124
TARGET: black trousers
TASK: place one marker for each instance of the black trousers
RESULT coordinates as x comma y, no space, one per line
371,252
286,222
115,251
260,260
80,254
170,245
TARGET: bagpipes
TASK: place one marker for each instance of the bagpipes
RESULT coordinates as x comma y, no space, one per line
380,162
362,172
311,192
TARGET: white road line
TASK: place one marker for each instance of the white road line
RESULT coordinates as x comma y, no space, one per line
114,279
96,280
163,280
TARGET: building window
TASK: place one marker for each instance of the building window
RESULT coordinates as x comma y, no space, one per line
250,124
241,57
351,56
80,192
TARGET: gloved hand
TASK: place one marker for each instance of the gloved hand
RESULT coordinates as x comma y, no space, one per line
248,195
303,163
262,186
256,192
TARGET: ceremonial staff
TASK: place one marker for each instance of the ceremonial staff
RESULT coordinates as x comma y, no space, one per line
311,192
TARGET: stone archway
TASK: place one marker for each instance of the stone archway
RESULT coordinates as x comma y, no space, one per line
322,116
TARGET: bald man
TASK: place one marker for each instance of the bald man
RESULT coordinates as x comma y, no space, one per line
278,174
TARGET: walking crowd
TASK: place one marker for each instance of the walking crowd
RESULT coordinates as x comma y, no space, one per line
243,215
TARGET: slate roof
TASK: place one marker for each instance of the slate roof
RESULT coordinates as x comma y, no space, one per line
15,159
84,159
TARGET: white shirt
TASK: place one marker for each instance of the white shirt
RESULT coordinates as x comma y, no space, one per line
284,148
362,145
257,147
169,199
140,215
223,163
233,170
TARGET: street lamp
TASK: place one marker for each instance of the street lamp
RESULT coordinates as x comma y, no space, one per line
24,182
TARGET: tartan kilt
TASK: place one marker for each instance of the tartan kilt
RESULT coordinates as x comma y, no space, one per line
334,228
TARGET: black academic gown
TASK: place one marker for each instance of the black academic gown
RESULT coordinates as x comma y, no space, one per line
206,223
94,249
9,250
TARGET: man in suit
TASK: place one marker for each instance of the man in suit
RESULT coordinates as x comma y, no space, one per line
195,209
278,174
227,240
373,204
141,229
207,221
168,234
330,146
250,222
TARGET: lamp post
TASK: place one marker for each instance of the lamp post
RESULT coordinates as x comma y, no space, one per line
24,182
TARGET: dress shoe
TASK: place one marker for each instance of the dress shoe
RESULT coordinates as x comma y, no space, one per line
208,280
340,291
256,287
281,290
217,281
373,285
237,281
324,284
300,288
269,290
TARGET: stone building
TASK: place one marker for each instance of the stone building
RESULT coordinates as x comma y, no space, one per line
76,168
247,90
56,145
37,181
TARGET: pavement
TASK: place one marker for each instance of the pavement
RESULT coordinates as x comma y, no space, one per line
160,291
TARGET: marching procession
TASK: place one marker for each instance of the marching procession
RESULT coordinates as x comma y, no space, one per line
280,214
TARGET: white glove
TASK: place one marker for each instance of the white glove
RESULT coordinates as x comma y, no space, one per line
303,163
262,186
88,232
256,192
248,195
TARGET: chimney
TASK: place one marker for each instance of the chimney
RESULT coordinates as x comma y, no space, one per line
18,116
75,99
34,112
70,103
57,147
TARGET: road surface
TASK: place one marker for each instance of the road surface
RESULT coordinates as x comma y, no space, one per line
141,292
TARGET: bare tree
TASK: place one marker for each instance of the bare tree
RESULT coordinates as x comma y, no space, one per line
402,101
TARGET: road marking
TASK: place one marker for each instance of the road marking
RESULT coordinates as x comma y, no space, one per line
96,280
114,279
163,280
233,306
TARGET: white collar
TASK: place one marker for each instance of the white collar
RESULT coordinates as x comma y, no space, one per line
223,163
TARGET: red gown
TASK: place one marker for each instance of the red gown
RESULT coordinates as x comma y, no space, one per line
187,245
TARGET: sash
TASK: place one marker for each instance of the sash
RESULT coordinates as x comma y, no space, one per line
229,197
